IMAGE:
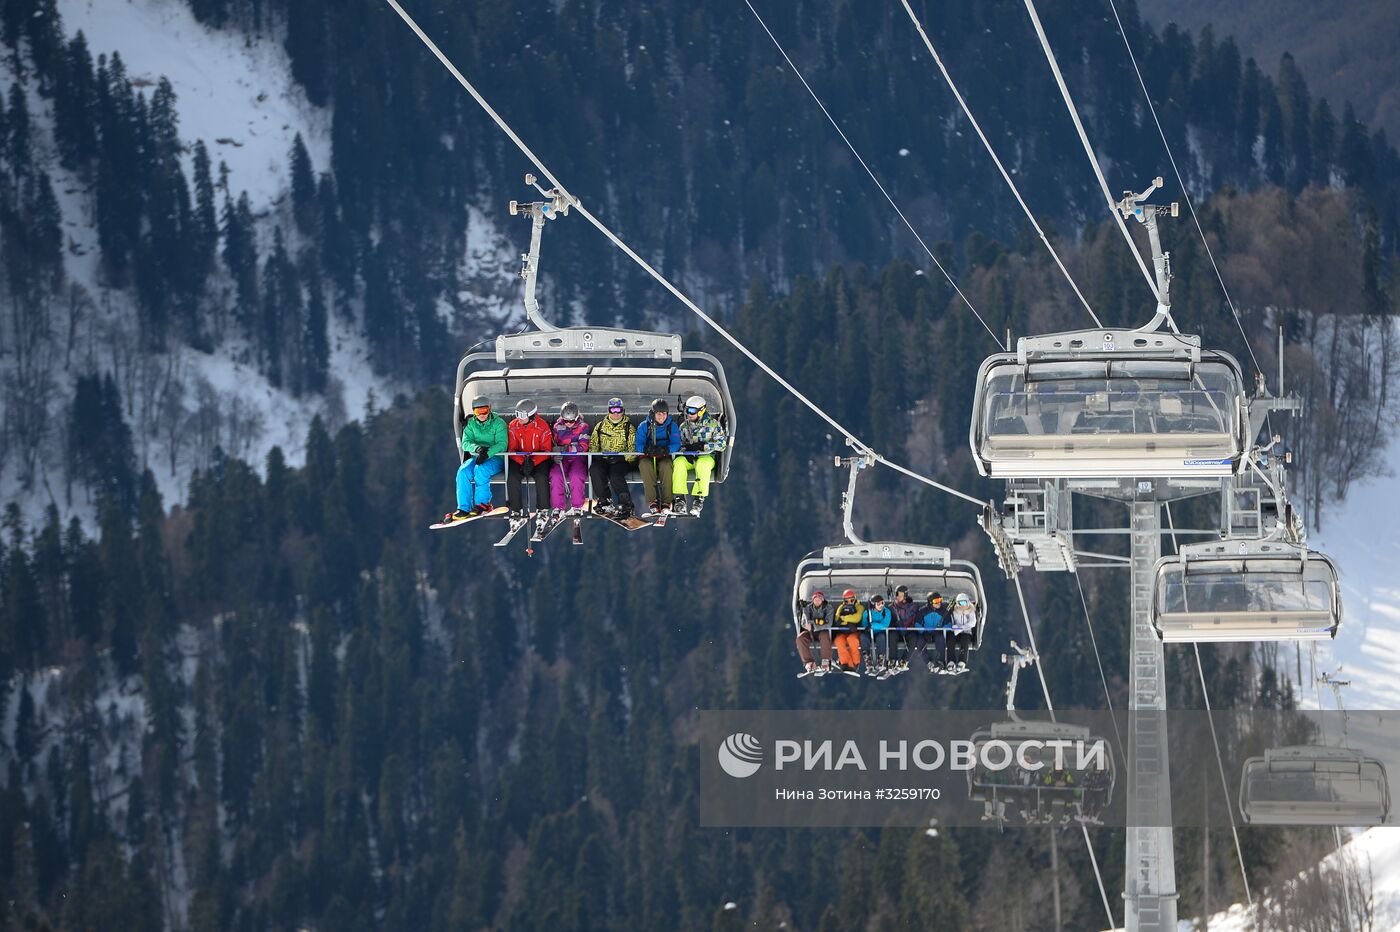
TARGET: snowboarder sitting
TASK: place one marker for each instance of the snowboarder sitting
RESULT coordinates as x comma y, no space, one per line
962,625
850,619
817,617
567,479
529,434
658,441
484,439
879,618
906,619
702,436
613,434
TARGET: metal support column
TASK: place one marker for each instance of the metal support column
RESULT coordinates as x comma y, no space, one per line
1150,878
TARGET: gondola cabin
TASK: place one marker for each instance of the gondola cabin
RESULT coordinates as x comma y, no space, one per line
1246,590
1109,404
1314,785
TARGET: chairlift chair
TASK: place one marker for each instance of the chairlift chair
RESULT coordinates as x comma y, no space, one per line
1087,795
1109,404
639,366
1314,785
1246,590
586,365
879,569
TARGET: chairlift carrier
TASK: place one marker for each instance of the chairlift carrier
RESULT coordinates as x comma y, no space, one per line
1109,404
881,567
586,365
1314,785
1246,590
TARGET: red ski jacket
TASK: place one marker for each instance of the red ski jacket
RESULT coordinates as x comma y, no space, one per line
531,437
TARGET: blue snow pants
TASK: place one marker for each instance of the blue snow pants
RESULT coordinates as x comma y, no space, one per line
474,482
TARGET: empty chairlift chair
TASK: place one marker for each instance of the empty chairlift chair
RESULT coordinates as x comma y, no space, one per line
1109,404
1246,590
1314,785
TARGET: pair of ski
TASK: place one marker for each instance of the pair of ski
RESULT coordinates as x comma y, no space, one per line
543,526
823,671
636,522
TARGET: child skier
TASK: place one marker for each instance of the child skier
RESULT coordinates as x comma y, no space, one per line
612,434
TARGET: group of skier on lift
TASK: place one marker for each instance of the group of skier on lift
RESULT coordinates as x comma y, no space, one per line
557,457
939,631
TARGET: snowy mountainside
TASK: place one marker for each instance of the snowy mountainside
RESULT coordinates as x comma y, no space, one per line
236,94
1375,850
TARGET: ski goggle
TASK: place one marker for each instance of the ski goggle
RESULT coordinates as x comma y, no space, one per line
964,602
614,409
482,409
690,410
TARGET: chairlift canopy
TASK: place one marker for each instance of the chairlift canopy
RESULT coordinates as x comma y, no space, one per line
1109,404
1246,590
1314,785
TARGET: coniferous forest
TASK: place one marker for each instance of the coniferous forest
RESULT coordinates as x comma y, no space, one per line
282,703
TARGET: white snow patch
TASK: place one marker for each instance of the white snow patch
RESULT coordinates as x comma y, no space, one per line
236,95
1376,849
1362,534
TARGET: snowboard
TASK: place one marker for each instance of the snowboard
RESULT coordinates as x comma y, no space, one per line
633,523
493,513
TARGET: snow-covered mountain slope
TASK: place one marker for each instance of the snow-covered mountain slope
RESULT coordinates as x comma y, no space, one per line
238,96
1362,534
1375,851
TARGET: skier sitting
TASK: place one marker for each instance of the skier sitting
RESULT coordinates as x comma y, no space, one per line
702,436
906,619
529,434
880,618
568,477
658,441
613,434
850,619
935,623
484,439
962,625
817,617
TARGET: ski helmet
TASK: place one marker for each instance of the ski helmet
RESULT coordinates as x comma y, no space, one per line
818,595
902,590
476,403
660,405
569,412
615,406
695,405
848,594
525,409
